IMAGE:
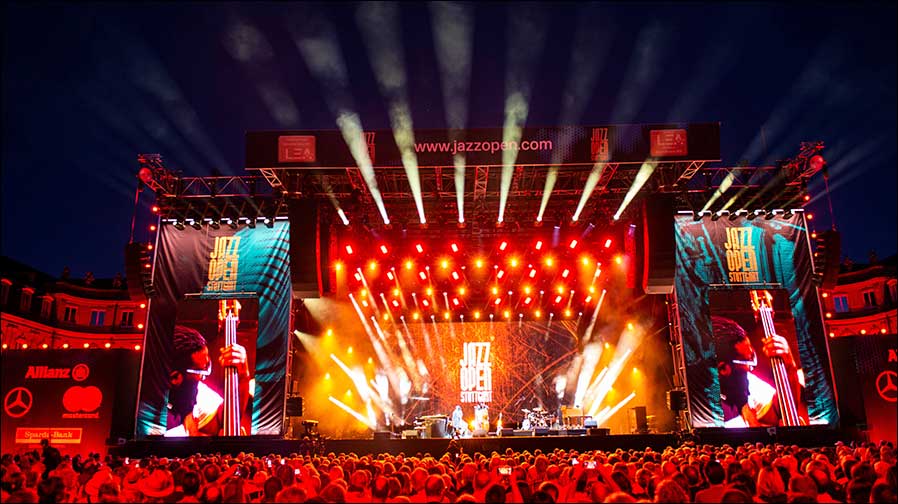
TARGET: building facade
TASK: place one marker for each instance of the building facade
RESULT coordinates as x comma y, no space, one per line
41,311
864,300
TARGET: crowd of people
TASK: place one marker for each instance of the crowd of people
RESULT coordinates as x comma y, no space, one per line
689,473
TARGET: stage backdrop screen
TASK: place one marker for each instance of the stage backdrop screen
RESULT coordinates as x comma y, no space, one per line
212,284
753,336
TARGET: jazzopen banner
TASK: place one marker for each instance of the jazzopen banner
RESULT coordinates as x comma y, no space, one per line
66,396
212,284
745,293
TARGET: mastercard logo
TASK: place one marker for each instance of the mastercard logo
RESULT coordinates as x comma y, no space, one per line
78,399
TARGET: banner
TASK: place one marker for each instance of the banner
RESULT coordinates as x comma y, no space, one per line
586,145
217,287
873,360
66,396
753,335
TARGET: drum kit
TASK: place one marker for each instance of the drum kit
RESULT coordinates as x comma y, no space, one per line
537,418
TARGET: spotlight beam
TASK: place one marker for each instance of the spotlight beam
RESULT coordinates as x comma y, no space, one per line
642,176
588,188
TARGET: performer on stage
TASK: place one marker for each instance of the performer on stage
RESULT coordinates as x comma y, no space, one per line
195,409
457,422
748,400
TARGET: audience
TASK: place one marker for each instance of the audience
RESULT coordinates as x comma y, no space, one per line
753,473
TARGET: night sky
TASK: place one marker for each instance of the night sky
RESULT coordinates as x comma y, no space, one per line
86,87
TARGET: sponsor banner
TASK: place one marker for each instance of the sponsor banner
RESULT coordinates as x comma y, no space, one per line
67,396
726,269
213,285
584,145
873,359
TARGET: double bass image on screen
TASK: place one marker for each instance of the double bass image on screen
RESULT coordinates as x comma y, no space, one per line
213,357
760,373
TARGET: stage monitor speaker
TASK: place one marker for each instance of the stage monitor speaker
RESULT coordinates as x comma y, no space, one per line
676,400
305,248
294,406
638,421
576,432
506,432
383,435
659,244
523,433
601,431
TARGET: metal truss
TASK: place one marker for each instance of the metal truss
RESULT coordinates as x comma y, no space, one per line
693,183
684,418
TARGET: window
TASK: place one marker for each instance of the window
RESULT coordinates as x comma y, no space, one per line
869,299
69,314
4,291
127,319
841,304
25,300
97,317
46,306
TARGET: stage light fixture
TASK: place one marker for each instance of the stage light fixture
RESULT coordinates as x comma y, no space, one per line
454,247
179,225
503,245
269,222
195,224
232,223
251,222
215,224
719,214
565,273
573,244
383,249
65,345
539,244
419,248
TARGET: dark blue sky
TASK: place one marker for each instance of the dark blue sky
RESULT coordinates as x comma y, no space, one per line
86,87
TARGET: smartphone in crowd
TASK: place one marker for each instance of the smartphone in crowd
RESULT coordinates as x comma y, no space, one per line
591,464
505,470
574,461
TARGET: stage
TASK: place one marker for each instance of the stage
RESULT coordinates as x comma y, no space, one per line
259,445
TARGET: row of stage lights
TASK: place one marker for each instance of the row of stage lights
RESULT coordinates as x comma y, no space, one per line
749,215
455,281
64,346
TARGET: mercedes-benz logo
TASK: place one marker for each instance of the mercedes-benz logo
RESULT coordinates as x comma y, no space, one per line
17,402
887,385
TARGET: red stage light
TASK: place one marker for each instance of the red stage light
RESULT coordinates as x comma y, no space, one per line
372,265
810,216
444,264
503,245
64,345
476,315
419,248
462,291
140,326
494,290
416,316
506,314
478,263
390,275
513,262
108,345
455,275
532,273
396,303
565,273
137,347
500,274
349,249
425,303
45,346
550,262
395,292
149,246
143,305
422,275
557,299
807,197
454,247
152,227
86,345
455,301
338,266
618,259
358,276
146,265
409,265
608,243
573,243
429,291
155,209
539,244
383,248
527,301
567,313
587,300
498,301
365,303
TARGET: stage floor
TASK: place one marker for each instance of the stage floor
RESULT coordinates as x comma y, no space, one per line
260,445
